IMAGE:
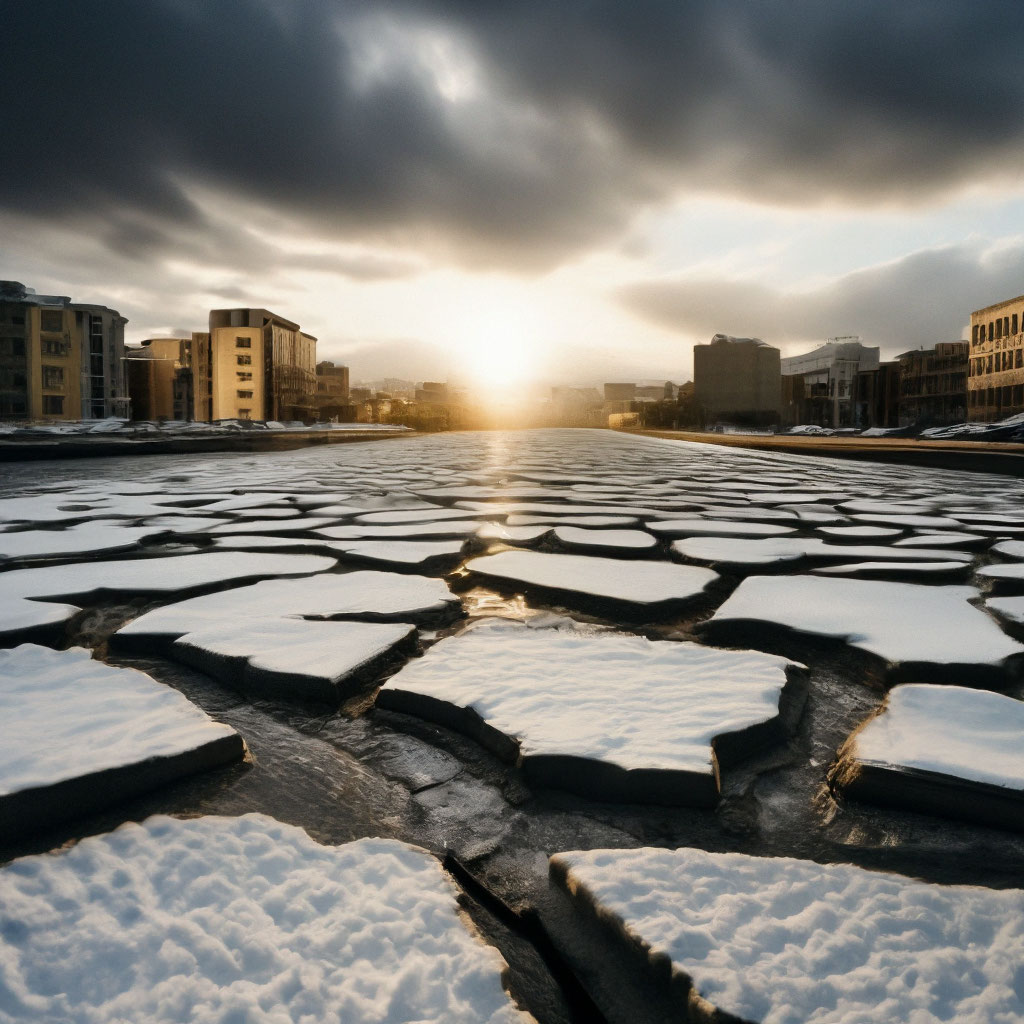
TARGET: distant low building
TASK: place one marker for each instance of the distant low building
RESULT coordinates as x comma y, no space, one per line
995,385
59,359
738,380
828,374
619,392
933,385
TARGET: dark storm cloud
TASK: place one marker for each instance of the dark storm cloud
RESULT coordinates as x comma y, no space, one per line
917,301
334,115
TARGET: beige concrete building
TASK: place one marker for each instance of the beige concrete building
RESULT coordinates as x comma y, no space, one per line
995,384
738,380
59,359
263,367
933,385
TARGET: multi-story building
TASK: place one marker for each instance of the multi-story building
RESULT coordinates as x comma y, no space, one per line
59,359
828,373
169,378
876,396
738,379
995,384
933,385
332,392
263,367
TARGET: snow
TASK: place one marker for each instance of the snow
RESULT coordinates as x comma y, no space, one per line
718,528
579,537
512,534
1011,609
914,521
951,730
399,552
641,583
451,528
85,538
890,568
1010,548
626,700
527,520
423,515
304,524
786,941
742,551
951,538
859,532
367,592
241,919
66,716
297,657
898,622
21,598
1011,571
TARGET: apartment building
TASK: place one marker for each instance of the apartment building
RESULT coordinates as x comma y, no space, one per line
933,385
59,359
829,375
169,378
995,384
263,367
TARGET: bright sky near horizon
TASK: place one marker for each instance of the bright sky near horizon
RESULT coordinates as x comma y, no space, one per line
547,190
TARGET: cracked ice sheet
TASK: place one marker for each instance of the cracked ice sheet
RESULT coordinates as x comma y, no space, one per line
898,622
719,528
241,918
626,700
367,592
66,715
24,596
399,552
642,583
786,941
622,540
952,730
83,539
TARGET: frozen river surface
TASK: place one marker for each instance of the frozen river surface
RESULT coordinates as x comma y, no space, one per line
639,643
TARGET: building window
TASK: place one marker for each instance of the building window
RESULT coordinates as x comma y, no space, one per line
244,360
53,405
242,375
1013,324
245,394
982,329
53,377
51,347
51,320
243,342
245,414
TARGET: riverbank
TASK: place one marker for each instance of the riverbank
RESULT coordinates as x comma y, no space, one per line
973,456
79,446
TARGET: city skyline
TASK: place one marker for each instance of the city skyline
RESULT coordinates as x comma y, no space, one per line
551,192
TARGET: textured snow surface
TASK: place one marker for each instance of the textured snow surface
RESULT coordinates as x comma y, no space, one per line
22,597
899,622
399,552
718,528
327,651
353,593
633,702
953,730
85,538
637,582
784,941
579,537
64,715
240,919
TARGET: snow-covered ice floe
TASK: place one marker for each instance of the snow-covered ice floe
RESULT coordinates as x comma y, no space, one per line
645,587
79,735
83,539
611,716
785,941
276,637
241,919
612,540
26,598
947,750
928,631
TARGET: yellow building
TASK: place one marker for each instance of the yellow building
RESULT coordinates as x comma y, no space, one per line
263,367
995,385
59,359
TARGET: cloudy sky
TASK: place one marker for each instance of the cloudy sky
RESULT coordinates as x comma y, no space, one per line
574,191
